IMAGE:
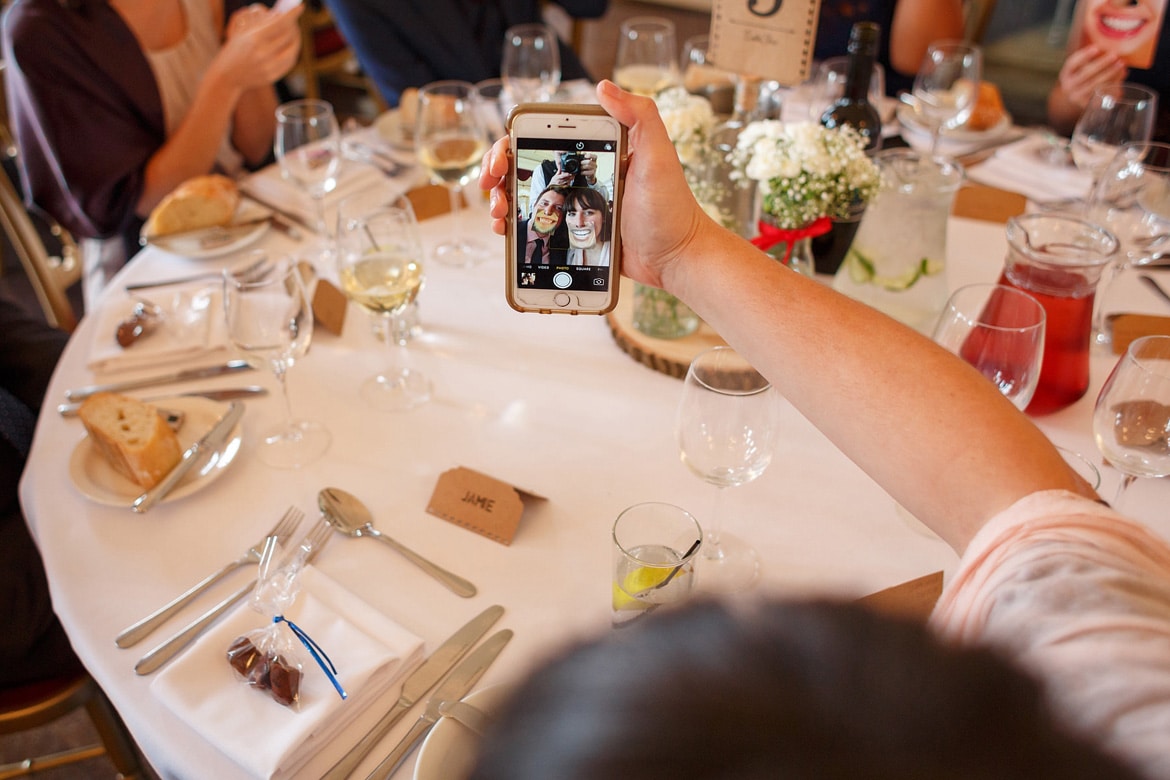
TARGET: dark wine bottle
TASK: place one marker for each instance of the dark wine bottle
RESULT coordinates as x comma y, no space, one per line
853,108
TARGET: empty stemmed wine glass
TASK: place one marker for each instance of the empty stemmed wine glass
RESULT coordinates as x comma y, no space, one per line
380,267
726,430
271,319
1132,197
946,86
1116,114
647,56
1131,421
308,148
1000,331
531,65
450,142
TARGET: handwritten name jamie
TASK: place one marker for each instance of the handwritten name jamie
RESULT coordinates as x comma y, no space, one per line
476,500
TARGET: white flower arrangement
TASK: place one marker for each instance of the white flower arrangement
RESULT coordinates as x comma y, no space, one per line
689,120
805,171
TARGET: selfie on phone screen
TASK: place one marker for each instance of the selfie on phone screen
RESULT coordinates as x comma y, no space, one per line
564,240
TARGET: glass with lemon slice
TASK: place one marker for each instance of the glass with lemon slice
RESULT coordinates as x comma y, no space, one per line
654,550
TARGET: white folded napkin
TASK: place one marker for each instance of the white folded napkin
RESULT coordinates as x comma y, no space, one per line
193,329
268,185
267,739
1022,167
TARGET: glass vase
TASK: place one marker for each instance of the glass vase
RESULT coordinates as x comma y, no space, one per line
797,253
660,315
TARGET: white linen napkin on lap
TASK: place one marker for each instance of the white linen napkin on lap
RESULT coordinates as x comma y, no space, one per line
267,739
268,185
1021,167
193,329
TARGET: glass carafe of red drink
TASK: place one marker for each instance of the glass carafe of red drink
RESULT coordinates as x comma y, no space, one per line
1058,260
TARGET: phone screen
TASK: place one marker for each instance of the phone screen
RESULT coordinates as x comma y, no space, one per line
564,213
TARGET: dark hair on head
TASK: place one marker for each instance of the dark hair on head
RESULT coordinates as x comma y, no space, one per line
587,197
554,188
779,690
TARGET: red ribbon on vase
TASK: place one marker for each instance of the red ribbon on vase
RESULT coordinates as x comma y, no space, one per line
770,235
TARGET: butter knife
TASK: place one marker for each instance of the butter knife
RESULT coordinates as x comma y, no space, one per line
194,454
455,687
230,367
222,394
418,683
281,218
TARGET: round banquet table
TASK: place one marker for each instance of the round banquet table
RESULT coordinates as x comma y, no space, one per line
546,403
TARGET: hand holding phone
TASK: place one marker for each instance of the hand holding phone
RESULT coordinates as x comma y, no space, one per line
564,242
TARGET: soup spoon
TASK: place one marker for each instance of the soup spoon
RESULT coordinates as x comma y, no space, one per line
347,514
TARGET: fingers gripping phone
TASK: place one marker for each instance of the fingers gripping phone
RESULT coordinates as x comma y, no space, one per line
567,174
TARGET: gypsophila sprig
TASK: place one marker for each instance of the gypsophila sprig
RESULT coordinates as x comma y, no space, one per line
805,171
690,121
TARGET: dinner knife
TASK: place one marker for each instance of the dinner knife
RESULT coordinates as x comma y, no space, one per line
222,394
280,216
194,454
418,683
455,687
230,367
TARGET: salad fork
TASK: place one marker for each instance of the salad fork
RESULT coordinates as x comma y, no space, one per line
312,543
140,630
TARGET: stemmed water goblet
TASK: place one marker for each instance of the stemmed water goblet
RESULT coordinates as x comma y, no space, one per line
308,148
1000,331
450,142
1116,114
946,86
1132,198
726,429
647,56
380,267
270,319
1131,420
531,64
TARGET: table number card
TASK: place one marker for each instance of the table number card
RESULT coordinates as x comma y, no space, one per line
480,503
771,39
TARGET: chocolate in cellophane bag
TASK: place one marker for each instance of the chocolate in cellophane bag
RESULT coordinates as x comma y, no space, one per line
269,658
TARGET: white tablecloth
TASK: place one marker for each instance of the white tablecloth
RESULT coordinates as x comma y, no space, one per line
548,403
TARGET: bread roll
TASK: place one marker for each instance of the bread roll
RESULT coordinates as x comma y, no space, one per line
132,437
988,109
201,202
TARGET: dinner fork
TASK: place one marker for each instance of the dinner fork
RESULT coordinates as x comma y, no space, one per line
311,545
139,631
254,269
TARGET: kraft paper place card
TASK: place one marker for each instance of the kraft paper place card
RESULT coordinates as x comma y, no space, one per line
771,39
480,503
329,307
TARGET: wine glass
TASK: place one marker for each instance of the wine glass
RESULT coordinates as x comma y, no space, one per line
380,268
647,56
270,318
1132,197
531,65
828,85
308,147
701,76
726,430
946,86
1116,114
1000,331
1131,421
450,141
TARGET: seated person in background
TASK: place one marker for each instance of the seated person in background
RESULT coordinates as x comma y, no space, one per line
908,28
114,104
1068,589
541,239
779,690
33,645
410,43
1113,42
588,220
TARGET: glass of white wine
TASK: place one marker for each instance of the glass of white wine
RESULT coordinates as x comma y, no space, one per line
380,268
450,141
647,56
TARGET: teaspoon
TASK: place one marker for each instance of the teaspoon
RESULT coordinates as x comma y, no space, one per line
347,514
